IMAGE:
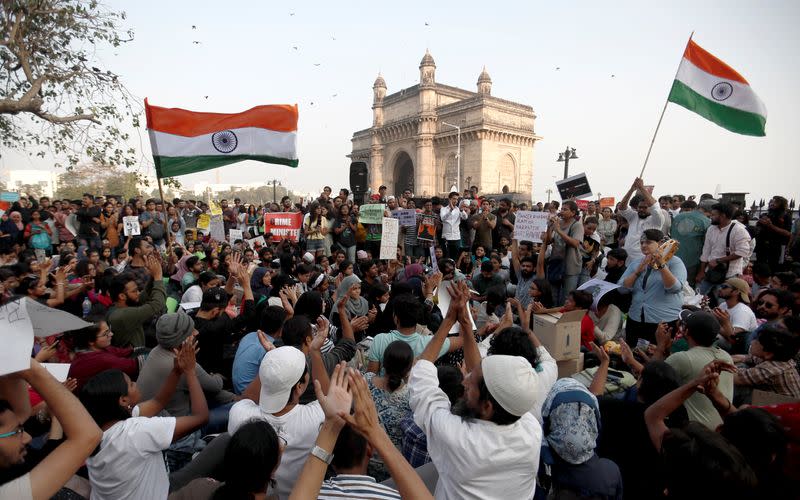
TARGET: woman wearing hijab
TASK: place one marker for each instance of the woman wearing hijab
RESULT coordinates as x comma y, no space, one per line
571,417
355,305
260,282
11,229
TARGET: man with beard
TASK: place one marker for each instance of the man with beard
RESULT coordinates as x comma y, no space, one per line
505,222
644,213
772,306
525,269
774,231
127,316
735,317
490,447
727,244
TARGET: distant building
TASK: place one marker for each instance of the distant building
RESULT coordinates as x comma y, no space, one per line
45,180
409,145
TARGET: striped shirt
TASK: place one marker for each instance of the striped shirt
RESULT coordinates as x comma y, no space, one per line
355,487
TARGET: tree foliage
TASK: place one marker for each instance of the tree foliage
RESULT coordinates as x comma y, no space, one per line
97,179
55,96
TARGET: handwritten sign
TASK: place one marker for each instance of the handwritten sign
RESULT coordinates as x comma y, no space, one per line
406,216
203,221
130,226
23,319
217,228
235,235
529,226
427,228
283,225
576,186
390,232
371,214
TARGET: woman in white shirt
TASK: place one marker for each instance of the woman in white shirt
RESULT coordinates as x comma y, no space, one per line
129,464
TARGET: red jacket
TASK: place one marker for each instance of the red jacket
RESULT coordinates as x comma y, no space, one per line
88,364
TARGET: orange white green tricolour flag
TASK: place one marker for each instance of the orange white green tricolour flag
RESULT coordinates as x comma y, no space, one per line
714,90
185,142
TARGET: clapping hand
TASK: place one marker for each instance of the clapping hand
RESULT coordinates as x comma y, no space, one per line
319,337
359,323
337,402
364,419
185,356
601,354
663,337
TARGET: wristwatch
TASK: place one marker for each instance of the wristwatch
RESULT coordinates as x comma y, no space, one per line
322,454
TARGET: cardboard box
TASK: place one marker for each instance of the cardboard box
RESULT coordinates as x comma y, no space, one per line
569,367
560,333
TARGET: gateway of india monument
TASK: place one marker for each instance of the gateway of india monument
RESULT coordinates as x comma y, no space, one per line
411,146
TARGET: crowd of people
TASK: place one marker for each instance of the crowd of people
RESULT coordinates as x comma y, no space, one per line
310,368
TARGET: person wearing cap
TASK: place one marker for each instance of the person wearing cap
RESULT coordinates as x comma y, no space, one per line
490,448
700,330
274,396
734,314
171,330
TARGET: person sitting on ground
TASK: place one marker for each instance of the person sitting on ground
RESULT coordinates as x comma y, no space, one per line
490,446
205,281
485,280
608,318
415,443
251,349
770,366
129,463
734,314
250,461
82,434
127,316
274,397
94,353
576,300
572,423
407,313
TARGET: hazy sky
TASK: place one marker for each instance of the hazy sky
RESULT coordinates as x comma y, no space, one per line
246,57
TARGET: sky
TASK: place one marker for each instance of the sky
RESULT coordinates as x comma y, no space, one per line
247,56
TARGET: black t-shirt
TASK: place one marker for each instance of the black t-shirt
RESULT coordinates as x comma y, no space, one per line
346,238
87,226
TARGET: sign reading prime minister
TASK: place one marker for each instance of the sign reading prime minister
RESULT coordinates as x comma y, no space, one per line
283,225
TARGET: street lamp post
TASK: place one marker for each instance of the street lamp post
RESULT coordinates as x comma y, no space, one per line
458,156
566,156
274,183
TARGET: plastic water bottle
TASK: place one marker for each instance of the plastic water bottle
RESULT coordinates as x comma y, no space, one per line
87,307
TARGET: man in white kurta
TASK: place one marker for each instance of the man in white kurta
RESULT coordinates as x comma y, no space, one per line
476,457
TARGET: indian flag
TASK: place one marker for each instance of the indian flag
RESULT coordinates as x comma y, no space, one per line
714,90
185,142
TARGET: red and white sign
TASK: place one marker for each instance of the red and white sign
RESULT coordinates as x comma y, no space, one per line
283,225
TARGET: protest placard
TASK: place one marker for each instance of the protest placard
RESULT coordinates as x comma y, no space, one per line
203,221
406,216
371,214
427,228
597,288
576,186
444,305
23,319
434,263
217,228
529,226
9,196
215,208
235,235
582,204
256,243
390,232
59,371
283,225
608,202
130,226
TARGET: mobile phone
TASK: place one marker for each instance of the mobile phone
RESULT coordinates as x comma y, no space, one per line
642,344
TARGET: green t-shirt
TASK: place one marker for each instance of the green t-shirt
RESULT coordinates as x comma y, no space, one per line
689,229
417,342
689,364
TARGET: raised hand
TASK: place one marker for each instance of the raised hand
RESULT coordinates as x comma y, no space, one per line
663,337
337,402
264,341
323,324
601,354
625,352
364,419
185,356
318,339
722,316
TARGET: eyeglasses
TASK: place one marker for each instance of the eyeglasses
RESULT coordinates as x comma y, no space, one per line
16,432
724,285
767,305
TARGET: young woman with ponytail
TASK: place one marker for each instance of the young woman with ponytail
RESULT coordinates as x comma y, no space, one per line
390,393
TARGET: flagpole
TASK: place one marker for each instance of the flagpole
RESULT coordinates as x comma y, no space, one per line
663,110
166,215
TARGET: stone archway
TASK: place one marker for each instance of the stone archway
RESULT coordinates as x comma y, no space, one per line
403,173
